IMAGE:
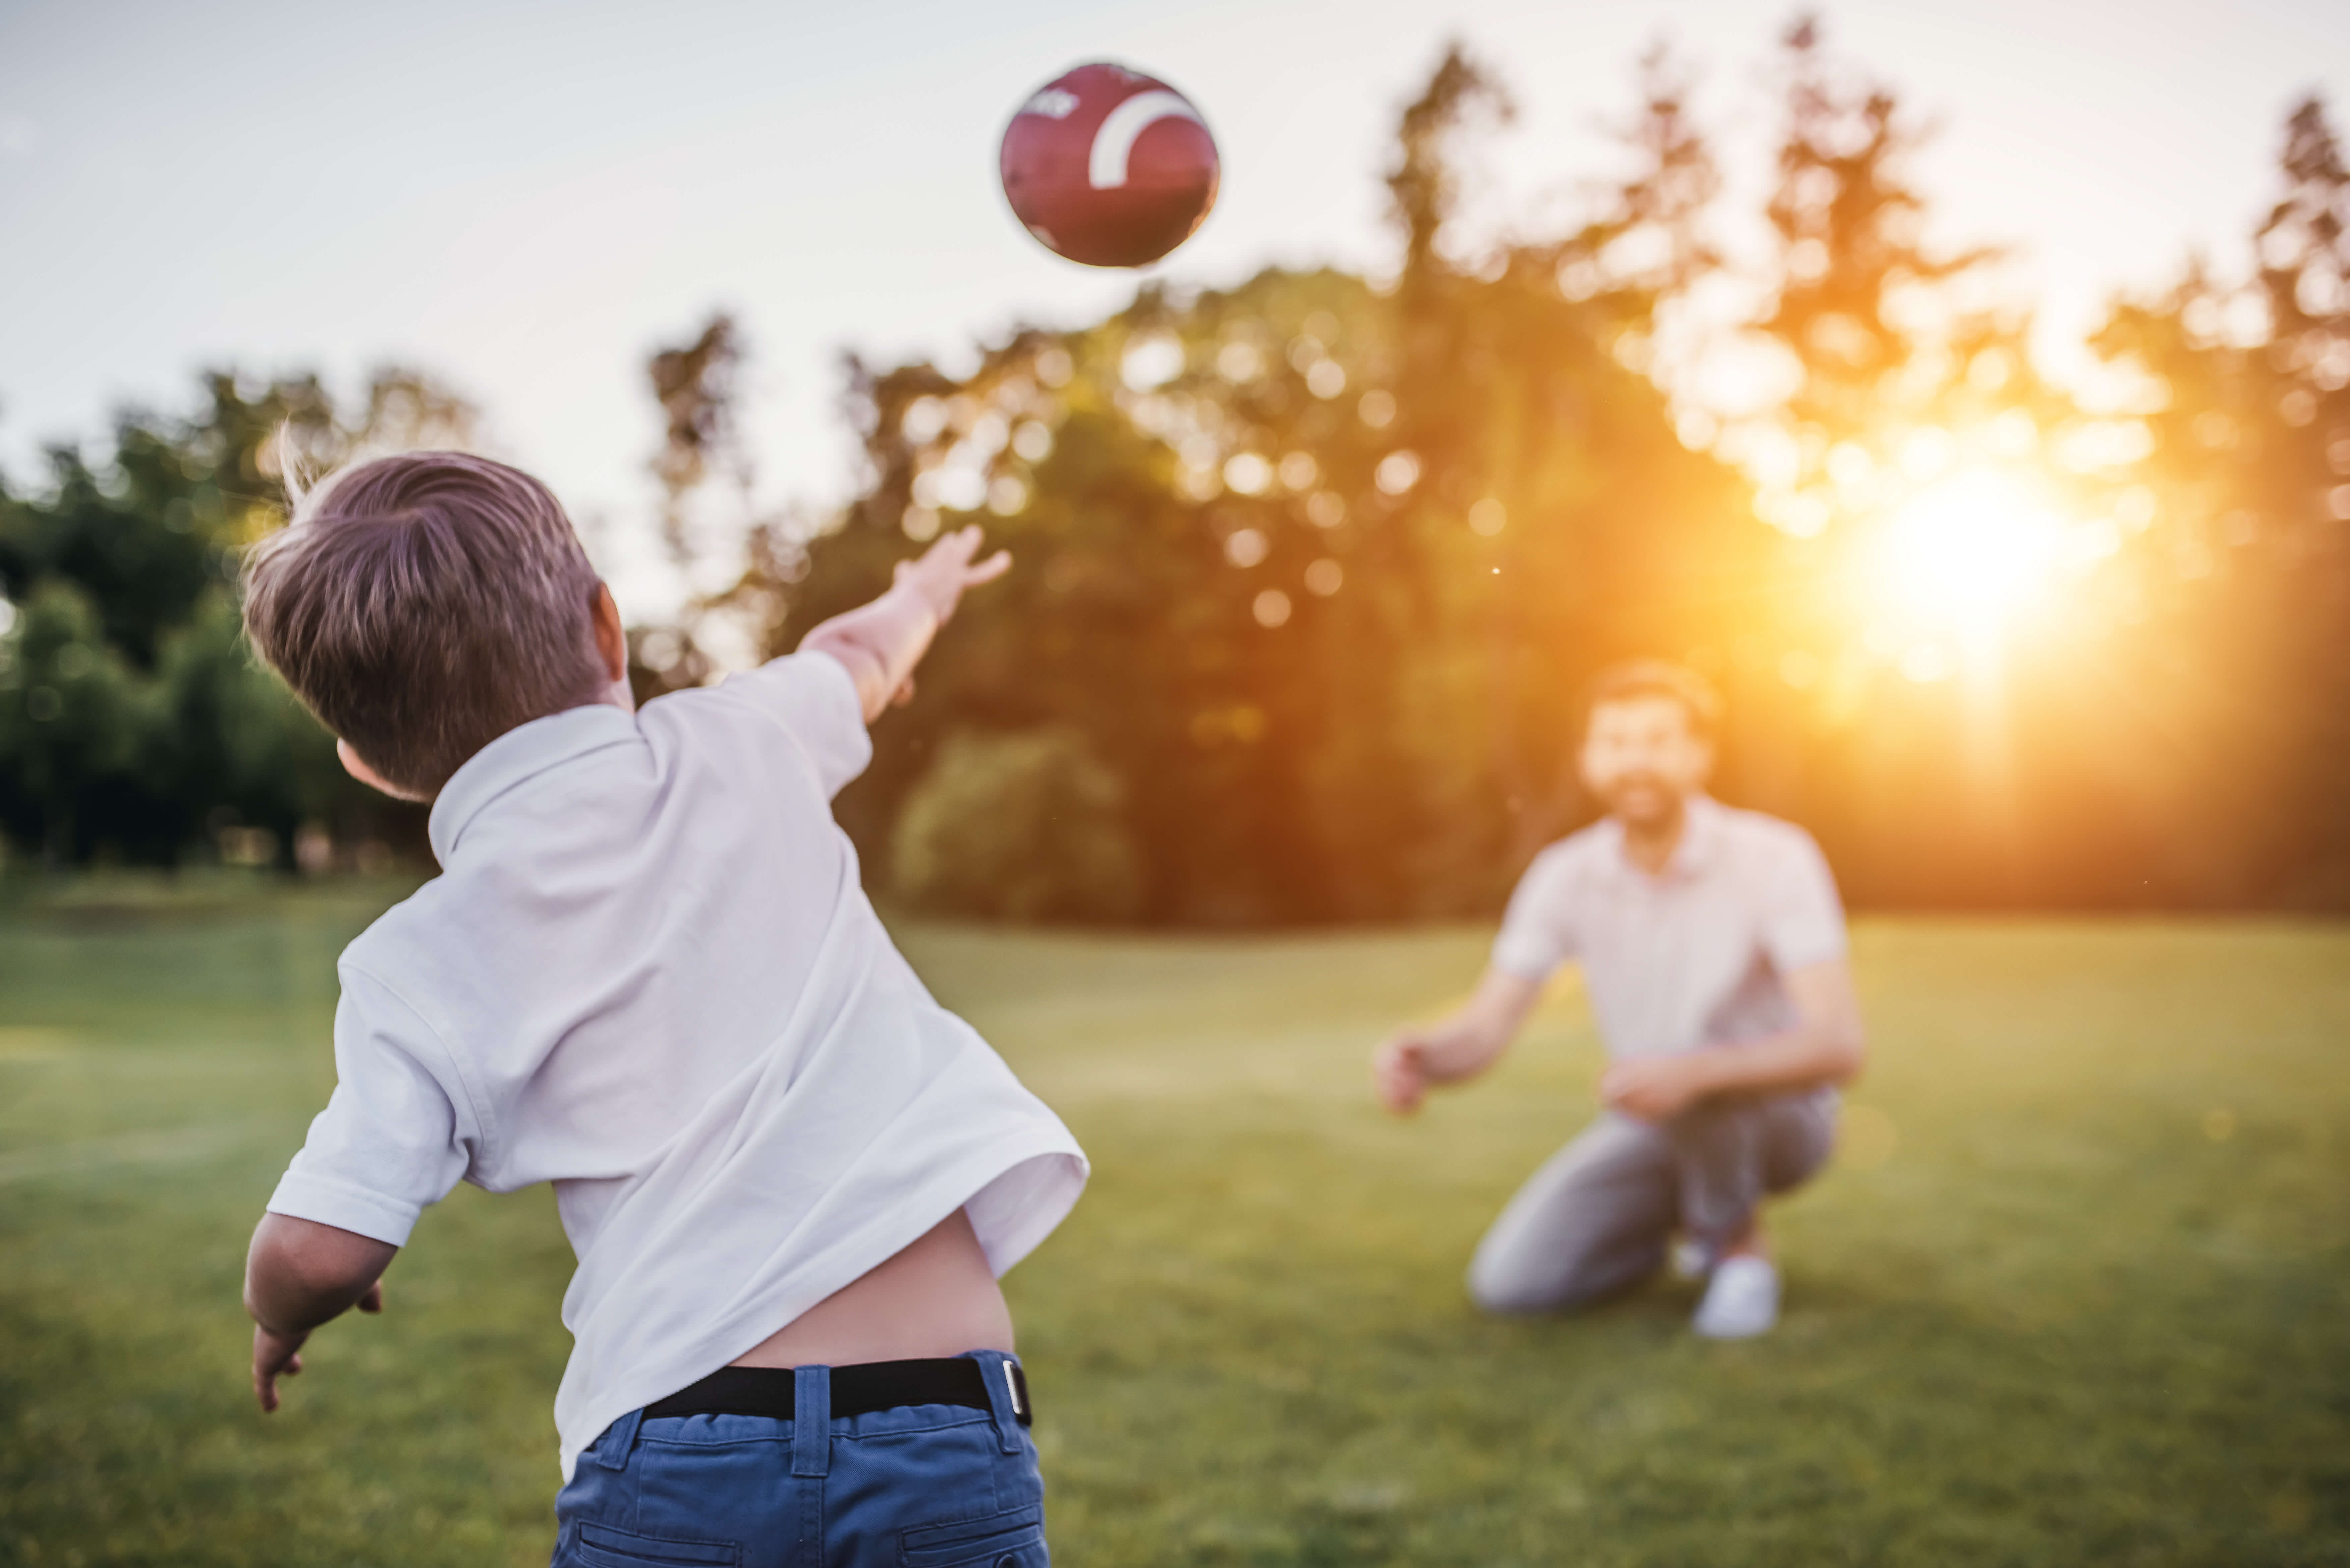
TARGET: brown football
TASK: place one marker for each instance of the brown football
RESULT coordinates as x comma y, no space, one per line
1110,167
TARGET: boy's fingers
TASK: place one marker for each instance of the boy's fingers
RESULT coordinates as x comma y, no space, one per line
271,1361
987,571
962,542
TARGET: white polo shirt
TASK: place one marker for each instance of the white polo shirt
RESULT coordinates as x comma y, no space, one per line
1690,957
647,975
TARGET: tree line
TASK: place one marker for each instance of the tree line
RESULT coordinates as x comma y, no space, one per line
1314,568
135,726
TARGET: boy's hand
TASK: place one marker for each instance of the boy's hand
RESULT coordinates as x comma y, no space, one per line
298,1275
943,571
277,1354
880,643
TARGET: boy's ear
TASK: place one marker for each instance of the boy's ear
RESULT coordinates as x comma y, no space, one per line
356,765
612,636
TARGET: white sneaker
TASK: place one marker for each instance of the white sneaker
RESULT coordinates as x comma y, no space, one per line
1741,1302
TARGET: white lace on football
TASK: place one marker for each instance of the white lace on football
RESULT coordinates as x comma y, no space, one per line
1114,142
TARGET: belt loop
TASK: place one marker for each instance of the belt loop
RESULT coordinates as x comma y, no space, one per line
612,1448
811,1420
1007,1397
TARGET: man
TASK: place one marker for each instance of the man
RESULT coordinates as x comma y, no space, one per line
1712,946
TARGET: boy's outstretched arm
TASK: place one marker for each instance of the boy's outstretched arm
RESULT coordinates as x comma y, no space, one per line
299,1275
880,643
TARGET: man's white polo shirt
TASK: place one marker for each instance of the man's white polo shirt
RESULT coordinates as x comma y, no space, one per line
1692,956
647,975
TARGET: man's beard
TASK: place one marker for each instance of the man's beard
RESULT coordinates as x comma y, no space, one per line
1643,798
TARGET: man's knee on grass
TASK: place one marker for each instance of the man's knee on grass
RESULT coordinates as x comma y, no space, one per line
1518,1286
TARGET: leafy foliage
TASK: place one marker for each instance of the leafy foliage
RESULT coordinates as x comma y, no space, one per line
1026,826
1315,568
134,723
2241,574
1318,567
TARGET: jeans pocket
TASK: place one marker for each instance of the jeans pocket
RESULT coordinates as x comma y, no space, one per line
600,1546
1013,1540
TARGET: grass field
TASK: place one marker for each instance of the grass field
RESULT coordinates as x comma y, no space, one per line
2078,1290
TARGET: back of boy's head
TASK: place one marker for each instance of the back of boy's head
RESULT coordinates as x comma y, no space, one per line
424,605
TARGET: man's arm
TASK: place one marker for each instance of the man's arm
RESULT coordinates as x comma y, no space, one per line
1824,1046
298,1275
1460,1046
880,643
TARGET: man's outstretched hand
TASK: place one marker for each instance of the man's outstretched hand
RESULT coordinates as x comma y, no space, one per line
1417,1056
1400,1070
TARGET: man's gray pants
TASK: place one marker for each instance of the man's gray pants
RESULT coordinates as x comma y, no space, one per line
1600,1216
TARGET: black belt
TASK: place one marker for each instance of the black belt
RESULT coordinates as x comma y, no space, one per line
857,1390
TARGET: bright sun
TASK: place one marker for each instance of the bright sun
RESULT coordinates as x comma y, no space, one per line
1971,551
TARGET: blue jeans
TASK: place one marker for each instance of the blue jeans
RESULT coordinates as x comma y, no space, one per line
920,1486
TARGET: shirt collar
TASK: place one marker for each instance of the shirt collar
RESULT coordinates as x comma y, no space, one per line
521,753
1701,840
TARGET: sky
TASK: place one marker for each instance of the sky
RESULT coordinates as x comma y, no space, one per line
525,199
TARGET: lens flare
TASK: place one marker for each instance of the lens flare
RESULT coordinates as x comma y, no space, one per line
1972,550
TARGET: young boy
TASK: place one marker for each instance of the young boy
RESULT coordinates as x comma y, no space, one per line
647,975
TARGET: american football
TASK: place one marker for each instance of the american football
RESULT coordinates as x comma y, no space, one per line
1109,167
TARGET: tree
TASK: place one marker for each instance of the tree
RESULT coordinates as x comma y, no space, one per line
1314,569
133,722
1027,827
2240,574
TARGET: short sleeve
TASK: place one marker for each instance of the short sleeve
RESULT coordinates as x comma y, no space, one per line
813,696
394,1138
1803,918
1538,930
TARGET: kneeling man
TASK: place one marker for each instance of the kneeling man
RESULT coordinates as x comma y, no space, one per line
1712,946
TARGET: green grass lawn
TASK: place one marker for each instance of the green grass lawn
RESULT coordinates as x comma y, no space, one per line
2078,1290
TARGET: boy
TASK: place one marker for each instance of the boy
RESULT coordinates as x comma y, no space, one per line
1713,944
647,975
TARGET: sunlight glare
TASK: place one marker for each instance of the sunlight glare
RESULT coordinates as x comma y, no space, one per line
1973,549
